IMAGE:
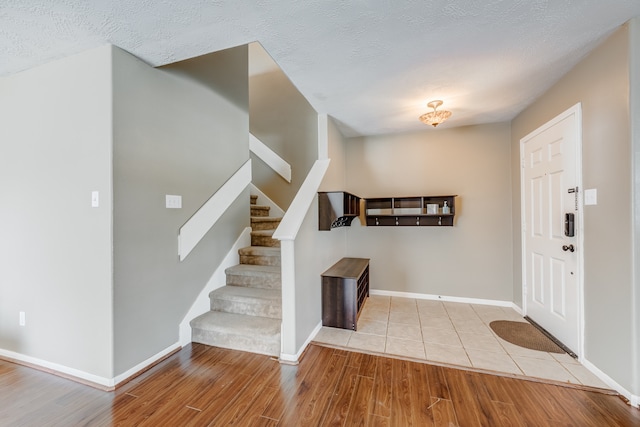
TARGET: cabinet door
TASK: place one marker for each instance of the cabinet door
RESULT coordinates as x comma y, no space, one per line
339,303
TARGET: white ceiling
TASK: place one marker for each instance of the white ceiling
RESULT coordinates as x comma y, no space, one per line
371,64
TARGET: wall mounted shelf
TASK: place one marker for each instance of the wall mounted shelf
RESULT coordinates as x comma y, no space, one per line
337,209
410,211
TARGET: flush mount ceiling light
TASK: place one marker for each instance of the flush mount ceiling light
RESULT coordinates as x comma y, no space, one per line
435,117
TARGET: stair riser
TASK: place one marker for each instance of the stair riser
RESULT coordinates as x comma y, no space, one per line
262,282
265,225
253,199
260,260
257,211
258,308
264,241
269,347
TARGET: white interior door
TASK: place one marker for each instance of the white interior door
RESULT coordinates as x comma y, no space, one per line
551,261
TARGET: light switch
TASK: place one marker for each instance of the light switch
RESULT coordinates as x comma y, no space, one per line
173,202
590,197
95,199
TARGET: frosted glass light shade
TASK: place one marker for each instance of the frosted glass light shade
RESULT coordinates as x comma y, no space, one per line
434,118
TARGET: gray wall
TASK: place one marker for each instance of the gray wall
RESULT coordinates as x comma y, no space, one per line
472,162
55,256
284,121
182,130
601,83
336,177
634,81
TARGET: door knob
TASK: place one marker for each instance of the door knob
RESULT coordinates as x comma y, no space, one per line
569,248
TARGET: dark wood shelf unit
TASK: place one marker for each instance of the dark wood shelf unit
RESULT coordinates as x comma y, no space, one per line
410,211
345,288
337,209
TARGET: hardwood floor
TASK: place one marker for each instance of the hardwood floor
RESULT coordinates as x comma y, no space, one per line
208,386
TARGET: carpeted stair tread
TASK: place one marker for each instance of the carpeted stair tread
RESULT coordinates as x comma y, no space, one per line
259,251
251,301
238,332
260,255
253,198
264,238
259,210
265,222
268,233
253,270
255,276
240,293
266,218
219,321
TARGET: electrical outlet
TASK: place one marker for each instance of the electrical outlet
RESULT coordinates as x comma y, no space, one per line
22,319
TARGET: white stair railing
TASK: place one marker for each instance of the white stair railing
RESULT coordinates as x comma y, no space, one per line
201,222
267,155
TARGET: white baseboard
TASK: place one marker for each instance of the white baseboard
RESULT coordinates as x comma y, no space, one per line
634,400
294,358
57,369
517,309
145,364
264,200
82,377
498,303
217,280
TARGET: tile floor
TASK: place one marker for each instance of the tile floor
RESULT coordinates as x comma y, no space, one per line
452,333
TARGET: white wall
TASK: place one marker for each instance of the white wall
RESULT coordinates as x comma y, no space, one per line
472,162
182,130
55,256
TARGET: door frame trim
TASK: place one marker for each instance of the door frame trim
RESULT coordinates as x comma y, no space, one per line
575,110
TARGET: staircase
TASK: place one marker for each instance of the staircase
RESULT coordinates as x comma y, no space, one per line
246,313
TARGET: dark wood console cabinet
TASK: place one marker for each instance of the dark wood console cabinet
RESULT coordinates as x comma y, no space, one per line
345,288
416,211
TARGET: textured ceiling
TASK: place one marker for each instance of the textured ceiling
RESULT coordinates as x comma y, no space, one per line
371,64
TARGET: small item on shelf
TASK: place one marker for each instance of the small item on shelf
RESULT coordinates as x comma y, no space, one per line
432,209
445,209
